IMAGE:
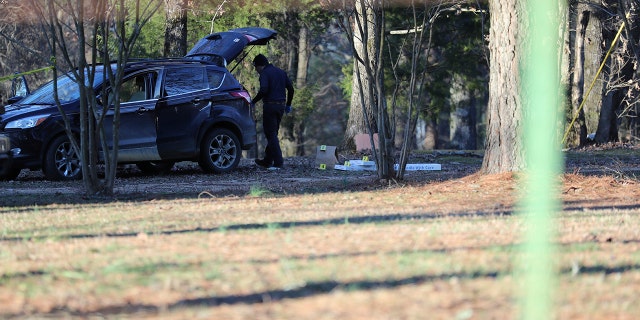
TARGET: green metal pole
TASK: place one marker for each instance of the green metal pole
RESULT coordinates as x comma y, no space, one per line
541,74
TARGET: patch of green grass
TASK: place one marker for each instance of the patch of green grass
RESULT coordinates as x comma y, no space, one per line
259,191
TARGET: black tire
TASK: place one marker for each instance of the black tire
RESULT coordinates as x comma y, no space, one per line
220,151
155,167
61,162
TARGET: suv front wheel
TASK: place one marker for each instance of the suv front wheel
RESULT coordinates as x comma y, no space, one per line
61,162
220,151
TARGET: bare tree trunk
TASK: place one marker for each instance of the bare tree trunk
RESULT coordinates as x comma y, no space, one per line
365,31
504,151
91,20
579,129
175,34
303,56
357,124
301,82
593,53
608,123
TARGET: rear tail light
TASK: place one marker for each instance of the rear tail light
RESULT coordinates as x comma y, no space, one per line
247,98
242,94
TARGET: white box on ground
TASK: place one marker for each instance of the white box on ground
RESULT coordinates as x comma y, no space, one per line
348,168
420,167
360,165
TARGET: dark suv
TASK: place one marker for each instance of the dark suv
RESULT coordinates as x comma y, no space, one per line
188,109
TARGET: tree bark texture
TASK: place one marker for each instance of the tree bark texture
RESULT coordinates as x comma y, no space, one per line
593,54
358,122
504,148
301,81
175,34
578,132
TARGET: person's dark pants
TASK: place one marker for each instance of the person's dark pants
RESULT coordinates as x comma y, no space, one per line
271,117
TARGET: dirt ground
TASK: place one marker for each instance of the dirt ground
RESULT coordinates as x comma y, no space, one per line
589,171
299,175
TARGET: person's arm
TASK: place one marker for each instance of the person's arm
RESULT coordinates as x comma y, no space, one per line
264,86
258,97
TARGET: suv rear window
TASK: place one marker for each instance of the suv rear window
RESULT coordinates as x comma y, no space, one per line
183,80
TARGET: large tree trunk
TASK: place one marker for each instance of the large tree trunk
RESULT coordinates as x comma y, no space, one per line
175,34
358,122
593,53
504,149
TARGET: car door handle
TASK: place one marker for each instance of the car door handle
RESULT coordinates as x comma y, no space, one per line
196,100
142,110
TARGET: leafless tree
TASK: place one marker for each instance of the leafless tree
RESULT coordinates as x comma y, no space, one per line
364,25
104,30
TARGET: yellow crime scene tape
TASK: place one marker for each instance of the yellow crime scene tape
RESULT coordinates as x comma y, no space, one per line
16,75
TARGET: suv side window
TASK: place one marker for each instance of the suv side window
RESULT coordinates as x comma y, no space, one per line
136,88
215,78
184,80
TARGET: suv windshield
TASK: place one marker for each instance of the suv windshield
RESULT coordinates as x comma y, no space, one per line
67,91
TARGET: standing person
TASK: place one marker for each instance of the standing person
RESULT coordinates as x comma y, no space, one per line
273,84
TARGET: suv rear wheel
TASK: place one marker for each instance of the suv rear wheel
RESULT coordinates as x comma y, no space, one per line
61,162
220,151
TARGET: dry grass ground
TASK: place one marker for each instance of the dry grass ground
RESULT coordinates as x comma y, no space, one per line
318,245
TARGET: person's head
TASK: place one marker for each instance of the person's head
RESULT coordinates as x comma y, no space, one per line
260,61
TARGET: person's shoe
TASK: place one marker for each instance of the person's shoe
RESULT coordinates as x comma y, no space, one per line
262,163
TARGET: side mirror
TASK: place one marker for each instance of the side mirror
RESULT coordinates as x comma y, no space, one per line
19,87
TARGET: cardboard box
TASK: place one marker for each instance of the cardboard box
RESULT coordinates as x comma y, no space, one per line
363,142
326,157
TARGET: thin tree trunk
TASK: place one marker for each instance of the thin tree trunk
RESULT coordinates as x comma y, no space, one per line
607,124
301,82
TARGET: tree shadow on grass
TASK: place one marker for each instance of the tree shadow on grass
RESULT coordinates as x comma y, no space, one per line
371,219
311,289
346,220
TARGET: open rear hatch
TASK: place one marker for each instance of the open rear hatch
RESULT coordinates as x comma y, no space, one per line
224,47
